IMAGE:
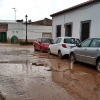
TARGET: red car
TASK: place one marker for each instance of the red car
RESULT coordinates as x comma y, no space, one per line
42,44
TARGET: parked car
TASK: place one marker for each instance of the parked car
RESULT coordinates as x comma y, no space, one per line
62,45
88,52
42,44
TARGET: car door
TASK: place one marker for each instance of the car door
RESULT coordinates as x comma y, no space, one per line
81,52
57,46
92,51
52,46
38,44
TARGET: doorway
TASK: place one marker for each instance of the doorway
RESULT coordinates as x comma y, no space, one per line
68,29
3,36
85,30
58,30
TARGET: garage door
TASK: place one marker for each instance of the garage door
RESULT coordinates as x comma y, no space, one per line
46,35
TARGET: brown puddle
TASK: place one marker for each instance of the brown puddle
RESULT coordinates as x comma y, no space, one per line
83,83
39,76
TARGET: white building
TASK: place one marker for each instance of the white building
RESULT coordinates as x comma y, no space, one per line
82,21
8,29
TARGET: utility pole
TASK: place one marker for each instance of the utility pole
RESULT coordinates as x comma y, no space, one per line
14,13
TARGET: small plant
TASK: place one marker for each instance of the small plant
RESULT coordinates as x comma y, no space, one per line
26,43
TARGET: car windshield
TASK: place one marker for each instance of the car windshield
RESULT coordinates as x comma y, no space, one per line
47,40
71,40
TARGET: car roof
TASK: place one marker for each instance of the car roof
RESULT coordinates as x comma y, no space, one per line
68,37
43,38
93,38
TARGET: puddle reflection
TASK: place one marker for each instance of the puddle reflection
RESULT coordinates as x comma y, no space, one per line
27,67
83,82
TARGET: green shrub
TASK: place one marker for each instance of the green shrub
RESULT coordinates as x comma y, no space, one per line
26,43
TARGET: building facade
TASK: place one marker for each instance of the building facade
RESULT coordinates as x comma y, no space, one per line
10,29
81,21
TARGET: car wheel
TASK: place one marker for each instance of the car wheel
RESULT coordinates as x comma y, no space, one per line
98,65
41,50
49,52
60,55
72,58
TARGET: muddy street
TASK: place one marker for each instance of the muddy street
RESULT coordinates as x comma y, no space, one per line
29,75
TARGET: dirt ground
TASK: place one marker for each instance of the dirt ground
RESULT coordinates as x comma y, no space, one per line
29,75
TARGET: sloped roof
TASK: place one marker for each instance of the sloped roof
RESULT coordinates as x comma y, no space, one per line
75,7
45,22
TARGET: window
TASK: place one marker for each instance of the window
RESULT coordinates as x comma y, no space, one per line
38,40
95,43
13,31
55,40
59,40
85,29
47,40
58,30
69,40
68,29
16,31
86,43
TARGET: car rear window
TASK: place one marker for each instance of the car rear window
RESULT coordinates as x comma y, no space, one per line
47,40
69,40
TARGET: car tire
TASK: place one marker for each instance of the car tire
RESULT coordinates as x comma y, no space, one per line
60,55
49,52
41,50
72,58
98,65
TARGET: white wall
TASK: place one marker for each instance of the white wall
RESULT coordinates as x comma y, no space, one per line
33,31
91,12
13,28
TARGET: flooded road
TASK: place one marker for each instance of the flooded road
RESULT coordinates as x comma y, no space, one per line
29,75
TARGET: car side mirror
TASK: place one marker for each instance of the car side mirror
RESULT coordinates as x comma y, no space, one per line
52,42
39,42
78,45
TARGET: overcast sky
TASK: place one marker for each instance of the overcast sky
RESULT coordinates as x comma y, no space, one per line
35,9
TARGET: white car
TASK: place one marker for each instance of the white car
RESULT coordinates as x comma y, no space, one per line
62,45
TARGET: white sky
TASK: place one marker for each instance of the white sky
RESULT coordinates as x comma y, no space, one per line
35,9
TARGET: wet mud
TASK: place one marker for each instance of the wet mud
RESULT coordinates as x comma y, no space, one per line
29,75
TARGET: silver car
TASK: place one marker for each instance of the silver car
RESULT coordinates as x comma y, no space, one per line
88,52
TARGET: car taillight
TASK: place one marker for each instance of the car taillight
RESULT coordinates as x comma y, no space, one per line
64,45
